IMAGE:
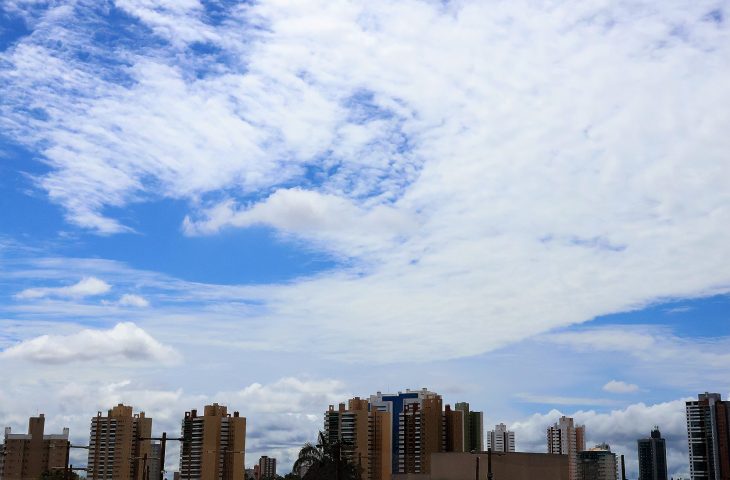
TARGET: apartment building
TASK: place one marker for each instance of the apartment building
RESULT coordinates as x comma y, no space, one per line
501,439
26,456
652,454
117,444
565,438
213,446
708,436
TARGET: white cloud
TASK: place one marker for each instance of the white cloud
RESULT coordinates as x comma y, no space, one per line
313,215
131,300
539,200
125,341
87,286
617,386
620,428
564,400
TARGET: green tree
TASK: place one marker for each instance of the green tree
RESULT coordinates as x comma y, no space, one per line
327,460
58,474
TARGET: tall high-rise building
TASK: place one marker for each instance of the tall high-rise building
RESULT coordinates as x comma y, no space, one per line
652,457
501,440
26,456
367,431
213,446
154,462
266,469
598,463
420,427
117,445
708,436
564,438
473,428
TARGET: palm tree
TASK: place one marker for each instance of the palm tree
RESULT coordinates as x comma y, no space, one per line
327,460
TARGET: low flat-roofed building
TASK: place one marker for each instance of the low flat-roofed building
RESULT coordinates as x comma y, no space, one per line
512,466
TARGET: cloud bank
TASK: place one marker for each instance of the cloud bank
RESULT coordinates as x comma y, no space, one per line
124,341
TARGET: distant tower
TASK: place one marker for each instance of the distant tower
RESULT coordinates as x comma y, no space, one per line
213,445
708,436
266,468
501,439
473,428
564,438
652,457
598,463
116,447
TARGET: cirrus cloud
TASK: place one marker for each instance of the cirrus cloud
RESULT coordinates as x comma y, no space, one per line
87,286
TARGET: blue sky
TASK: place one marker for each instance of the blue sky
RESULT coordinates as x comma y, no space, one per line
279,205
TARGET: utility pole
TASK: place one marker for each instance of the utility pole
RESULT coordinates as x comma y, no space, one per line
490,475
477,476
68,469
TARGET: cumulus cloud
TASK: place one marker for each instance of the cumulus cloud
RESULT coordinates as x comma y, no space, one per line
312,215
87,286
131,300
620,428
124,341
617,386
288,395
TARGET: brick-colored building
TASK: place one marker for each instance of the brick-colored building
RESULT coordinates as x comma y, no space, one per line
369,434
214,445
116,445
265,469
28,455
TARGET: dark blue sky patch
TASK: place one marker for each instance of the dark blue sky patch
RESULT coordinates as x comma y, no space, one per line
362,108
12,29
233,256
716,16
699,317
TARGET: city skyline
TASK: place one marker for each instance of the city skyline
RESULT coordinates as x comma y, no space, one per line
370,436
277,205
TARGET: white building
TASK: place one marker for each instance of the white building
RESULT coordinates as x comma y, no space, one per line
501,440
564,438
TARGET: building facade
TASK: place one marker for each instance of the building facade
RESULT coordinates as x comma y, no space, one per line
652,454
708,437
473,428
505,466
597,463
213,446
266,469
564,438
501,440
367,433
117,444
420,427
26,456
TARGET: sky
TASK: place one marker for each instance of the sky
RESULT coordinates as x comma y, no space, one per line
281,204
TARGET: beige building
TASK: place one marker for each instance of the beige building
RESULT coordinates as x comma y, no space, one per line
28,455
213,446
117,445
564,438
369,433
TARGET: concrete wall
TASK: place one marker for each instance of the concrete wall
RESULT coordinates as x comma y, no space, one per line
505,466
